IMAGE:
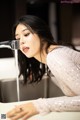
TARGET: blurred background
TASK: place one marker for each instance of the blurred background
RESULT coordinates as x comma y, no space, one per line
64,21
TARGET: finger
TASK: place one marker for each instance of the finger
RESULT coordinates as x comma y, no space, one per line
18,115
14,111
26,116
18,108
11,113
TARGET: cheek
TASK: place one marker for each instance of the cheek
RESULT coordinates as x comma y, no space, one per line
36,45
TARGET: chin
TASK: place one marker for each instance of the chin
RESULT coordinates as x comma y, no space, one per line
28,56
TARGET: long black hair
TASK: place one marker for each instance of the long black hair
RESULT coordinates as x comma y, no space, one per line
31,69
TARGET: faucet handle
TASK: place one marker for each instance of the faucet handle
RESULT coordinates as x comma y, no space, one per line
15,44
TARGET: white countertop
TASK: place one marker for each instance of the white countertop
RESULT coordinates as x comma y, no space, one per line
5,107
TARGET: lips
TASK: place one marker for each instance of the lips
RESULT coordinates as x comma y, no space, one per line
25,49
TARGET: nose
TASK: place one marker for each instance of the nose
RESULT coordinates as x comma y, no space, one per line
22,41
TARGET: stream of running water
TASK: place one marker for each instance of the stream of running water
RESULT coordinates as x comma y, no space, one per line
17,71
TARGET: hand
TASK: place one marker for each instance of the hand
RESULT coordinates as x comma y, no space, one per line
23,111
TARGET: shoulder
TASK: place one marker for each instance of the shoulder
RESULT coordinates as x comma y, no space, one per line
59,51
60,54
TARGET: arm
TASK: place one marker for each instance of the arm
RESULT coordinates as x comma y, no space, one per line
58,104
67,74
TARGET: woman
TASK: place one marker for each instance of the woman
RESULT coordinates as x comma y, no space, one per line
37,46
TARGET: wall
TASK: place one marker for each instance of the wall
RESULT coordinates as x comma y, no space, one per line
6,20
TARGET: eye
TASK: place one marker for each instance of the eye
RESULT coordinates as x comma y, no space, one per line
26,34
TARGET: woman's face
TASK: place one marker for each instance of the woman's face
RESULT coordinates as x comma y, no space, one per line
29,42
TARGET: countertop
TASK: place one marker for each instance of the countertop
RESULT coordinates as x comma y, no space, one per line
5,107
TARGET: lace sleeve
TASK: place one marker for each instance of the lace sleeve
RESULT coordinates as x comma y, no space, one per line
58,104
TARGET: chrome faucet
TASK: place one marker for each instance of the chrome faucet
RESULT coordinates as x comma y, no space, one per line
14,44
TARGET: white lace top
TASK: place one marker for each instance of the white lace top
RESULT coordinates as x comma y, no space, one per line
64,64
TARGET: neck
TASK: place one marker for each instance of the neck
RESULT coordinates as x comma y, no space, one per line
41,58
43,55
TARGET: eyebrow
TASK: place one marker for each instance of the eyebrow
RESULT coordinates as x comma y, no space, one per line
22,31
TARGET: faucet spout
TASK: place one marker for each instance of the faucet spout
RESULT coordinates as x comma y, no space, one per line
14,44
